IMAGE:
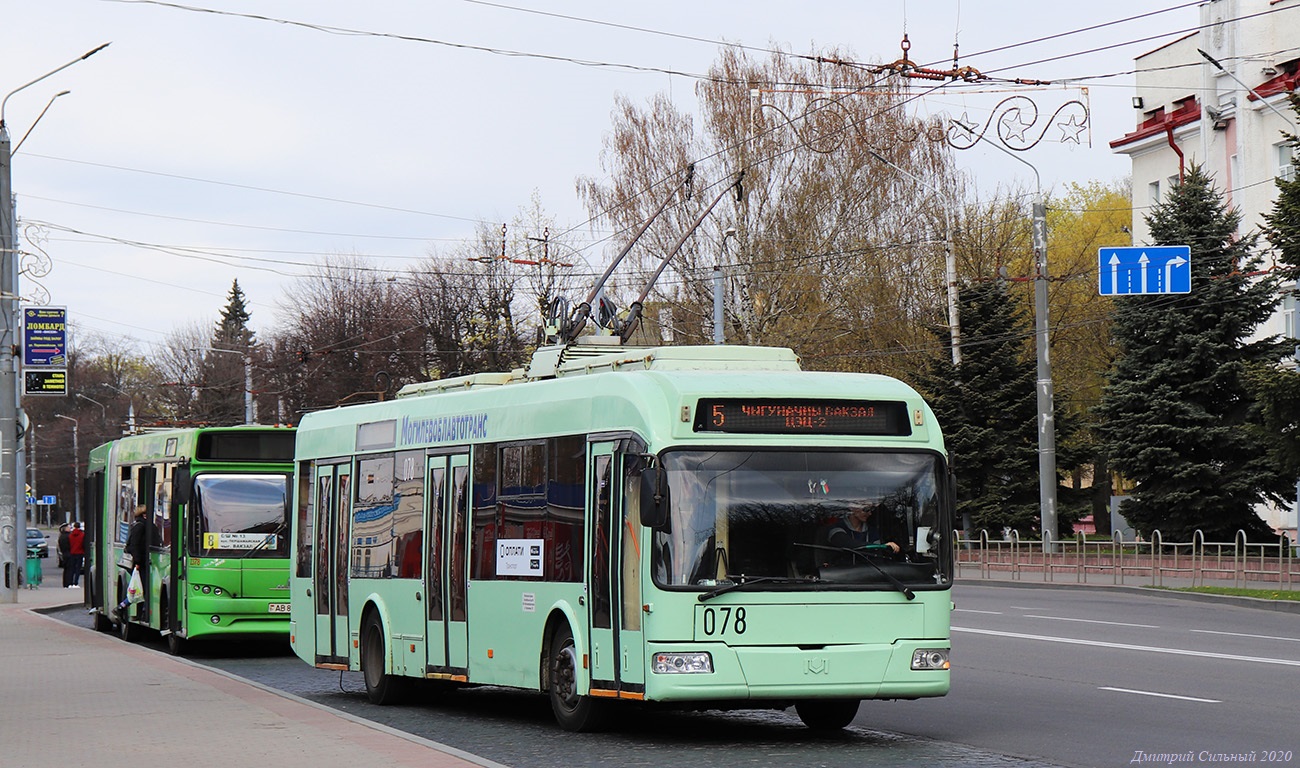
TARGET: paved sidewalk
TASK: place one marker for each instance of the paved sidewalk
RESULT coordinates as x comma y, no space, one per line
74,697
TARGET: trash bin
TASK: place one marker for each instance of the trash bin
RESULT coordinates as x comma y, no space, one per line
33,568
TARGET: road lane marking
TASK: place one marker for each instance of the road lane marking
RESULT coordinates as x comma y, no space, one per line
1128,647
972,610
1091,621
1161,695
1242,634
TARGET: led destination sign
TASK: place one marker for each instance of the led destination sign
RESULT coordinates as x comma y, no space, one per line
792,417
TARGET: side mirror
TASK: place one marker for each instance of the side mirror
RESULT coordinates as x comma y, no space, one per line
654,498
181,485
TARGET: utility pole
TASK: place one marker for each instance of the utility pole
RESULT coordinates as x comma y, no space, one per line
13,491
76,468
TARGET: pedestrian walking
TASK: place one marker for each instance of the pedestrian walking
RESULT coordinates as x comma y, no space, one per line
76,554
65,548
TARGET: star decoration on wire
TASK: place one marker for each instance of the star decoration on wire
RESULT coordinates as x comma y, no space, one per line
1070,129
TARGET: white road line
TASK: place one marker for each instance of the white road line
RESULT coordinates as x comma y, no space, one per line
1091,621
1127,647
971,610
1161,695
1242,634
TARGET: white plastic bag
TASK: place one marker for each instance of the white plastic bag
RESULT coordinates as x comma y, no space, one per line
135,589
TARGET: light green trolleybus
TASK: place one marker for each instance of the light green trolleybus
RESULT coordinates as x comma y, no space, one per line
612,524
216,503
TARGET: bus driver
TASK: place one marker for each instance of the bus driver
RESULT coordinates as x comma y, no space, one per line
858,527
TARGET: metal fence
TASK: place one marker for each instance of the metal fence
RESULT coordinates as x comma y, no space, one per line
1153,562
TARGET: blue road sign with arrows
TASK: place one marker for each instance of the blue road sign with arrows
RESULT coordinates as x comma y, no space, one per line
1144,270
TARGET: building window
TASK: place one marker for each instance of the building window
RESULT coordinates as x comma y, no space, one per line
1153,193
1285,164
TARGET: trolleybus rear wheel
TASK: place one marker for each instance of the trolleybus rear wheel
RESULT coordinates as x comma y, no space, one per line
827,714
381,687
573,711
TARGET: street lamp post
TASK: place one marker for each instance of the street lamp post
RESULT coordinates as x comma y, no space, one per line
76,468
1047,481
719,332
13,494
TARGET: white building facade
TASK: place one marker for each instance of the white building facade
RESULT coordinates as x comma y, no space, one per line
1228,116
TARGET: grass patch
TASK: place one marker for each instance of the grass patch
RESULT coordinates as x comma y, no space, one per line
1262,594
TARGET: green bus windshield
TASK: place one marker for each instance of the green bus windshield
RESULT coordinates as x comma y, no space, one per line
242,515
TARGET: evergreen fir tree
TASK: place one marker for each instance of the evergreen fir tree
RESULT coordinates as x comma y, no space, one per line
987,409
1178,415
221,393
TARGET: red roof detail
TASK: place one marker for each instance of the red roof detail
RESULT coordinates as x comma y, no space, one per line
1189,111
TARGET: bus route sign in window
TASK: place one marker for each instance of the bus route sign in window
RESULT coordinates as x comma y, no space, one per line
794,417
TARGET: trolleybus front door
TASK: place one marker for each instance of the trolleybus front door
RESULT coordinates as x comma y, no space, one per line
615,627
330,577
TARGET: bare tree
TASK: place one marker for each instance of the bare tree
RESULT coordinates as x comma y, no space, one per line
829,254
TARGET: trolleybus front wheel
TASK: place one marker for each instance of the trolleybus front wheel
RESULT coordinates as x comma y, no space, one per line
827,714
381,687
573,711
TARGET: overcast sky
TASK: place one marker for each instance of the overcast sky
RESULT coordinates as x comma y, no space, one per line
203,147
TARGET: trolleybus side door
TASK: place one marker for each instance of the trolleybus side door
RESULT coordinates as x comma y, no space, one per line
435,567
329,581
457,559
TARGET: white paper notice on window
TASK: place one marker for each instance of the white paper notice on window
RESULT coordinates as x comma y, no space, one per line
520,557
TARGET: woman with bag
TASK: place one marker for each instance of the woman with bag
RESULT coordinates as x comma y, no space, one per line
137,546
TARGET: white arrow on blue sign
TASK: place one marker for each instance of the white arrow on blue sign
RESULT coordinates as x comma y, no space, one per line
1144,270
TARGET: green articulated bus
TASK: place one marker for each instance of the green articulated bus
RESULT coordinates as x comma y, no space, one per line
613,524
216,503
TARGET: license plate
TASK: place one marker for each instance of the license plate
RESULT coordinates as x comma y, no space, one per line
277,608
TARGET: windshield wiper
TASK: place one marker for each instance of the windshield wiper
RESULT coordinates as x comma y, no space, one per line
859,552
274,534
744,581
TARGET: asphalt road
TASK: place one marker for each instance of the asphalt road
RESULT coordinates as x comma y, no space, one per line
1042,677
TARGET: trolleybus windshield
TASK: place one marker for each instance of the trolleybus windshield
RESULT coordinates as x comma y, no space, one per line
769,515
242,514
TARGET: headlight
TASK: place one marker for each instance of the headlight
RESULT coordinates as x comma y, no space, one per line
682,663
930,658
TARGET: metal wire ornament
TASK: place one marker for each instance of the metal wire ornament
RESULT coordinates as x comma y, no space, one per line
1015,123
34,264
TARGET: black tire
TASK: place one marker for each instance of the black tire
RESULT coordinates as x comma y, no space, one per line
381,687
103,623
573,711
176,644
125,629
827,714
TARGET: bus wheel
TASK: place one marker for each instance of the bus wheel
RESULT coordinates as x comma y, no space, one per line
827,714
175,643
381,687
103,623
128,631
574,712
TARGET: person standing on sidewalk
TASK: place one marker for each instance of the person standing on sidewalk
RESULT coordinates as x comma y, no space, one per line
65,547
76,554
